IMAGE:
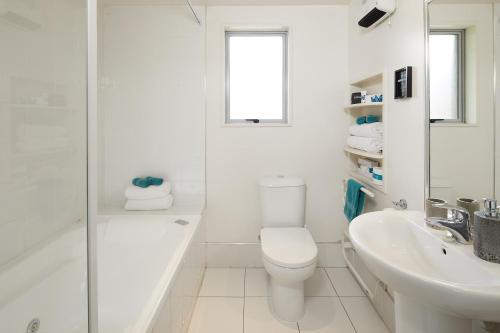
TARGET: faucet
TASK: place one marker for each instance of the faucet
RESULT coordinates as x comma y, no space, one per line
457,223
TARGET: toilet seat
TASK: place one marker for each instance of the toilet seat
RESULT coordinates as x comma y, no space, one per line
288,247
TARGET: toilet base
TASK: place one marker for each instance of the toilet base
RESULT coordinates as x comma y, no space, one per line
288,299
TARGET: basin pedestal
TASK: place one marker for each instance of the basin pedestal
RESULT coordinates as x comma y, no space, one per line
413,317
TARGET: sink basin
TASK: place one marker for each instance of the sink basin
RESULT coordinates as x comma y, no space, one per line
439,286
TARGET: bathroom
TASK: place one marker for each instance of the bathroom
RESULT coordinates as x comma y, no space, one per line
177,166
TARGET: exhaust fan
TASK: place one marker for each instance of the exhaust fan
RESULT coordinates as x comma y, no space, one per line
374,12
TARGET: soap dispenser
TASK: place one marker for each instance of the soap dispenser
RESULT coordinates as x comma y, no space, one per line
486,232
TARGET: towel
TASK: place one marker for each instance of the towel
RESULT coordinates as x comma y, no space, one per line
361,120
373,130
371,145
146,182
367,119
152,192
354,200
151,204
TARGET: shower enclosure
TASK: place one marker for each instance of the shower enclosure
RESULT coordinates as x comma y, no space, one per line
43,173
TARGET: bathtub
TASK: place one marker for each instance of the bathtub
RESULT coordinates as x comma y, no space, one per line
49,284
145,263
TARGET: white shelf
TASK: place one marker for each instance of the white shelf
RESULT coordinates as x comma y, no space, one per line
367,181
368,80
364,105
375,156
35,106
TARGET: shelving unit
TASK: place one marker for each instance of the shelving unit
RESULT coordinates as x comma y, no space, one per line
362,153
364,105
373,84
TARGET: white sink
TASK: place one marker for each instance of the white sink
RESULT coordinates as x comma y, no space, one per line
439,287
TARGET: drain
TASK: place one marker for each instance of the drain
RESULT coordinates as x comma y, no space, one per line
181,222
33,326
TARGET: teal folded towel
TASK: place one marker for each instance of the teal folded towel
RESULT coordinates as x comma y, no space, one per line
146,182
141,182
354,200
154,181
361,120
371,119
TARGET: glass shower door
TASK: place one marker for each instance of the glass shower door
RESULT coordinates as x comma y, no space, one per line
43,210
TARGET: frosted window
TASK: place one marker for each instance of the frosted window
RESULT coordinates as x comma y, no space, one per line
256,78
445,76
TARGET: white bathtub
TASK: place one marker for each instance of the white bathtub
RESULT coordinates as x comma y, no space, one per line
144,264
48,283
141,259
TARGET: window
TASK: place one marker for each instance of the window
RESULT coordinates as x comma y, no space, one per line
447,75
256,77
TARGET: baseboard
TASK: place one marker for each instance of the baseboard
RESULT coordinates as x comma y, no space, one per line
248,255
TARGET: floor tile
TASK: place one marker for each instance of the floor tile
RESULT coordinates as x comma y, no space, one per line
217,315
344,283
319,285
325,315
256,282
225,282
363,316
259,319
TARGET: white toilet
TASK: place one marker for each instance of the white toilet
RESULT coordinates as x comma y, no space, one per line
288,250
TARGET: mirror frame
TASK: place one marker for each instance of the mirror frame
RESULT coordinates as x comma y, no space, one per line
427,127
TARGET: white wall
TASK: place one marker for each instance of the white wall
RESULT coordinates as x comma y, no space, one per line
462,156
237,157
152,101
396,43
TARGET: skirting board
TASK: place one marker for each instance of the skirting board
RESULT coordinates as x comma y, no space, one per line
248,255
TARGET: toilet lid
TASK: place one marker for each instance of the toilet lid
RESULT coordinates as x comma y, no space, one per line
288,247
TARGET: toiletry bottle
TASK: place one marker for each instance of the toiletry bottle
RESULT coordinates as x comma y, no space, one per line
486,237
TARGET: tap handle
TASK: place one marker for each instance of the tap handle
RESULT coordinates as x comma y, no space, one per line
455,210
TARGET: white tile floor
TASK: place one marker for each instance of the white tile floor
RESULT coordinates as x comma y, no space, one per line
235,300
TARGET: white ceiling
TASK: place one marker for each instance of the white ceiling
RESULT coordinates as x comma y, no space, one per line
464,1
230,2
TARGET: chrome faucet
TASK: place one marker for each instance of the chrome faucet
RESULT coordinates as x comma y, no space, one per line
457,223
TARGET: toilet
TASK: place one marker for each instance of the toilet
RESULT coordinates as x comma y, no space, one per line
288,250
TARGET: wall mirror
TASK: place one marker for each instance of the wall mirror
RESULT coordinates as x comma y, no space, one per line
462,53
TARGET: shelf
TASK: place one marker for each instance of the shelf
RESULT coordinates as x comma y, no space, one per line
375,156
368,80
366,181
35,106
364,105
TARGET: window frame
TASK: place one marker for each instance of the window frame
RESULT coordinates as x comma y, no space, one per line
461,112
285,95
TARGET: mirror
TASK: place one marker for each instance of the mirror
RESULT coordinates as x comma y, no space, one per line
461,42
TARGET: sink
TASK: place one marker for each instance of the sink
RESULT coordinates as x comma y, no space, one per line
439,287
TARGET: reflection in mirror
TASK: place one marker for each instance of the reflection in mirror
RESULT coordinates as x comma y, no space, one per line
461,100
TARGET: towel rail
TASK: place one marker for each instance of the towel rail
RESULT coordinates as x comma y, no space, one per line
363,189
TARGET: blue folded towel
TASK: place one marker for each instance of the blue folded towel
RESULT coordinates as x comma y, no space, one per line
361,120
371,119
146,182
354,200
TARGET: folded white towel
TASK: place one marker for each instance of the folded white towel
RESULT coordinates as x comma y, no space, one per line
373,130
152,192
151,204
371,145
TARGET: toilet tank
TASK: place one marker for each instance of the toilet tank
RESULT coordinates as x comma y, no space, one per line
282,202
